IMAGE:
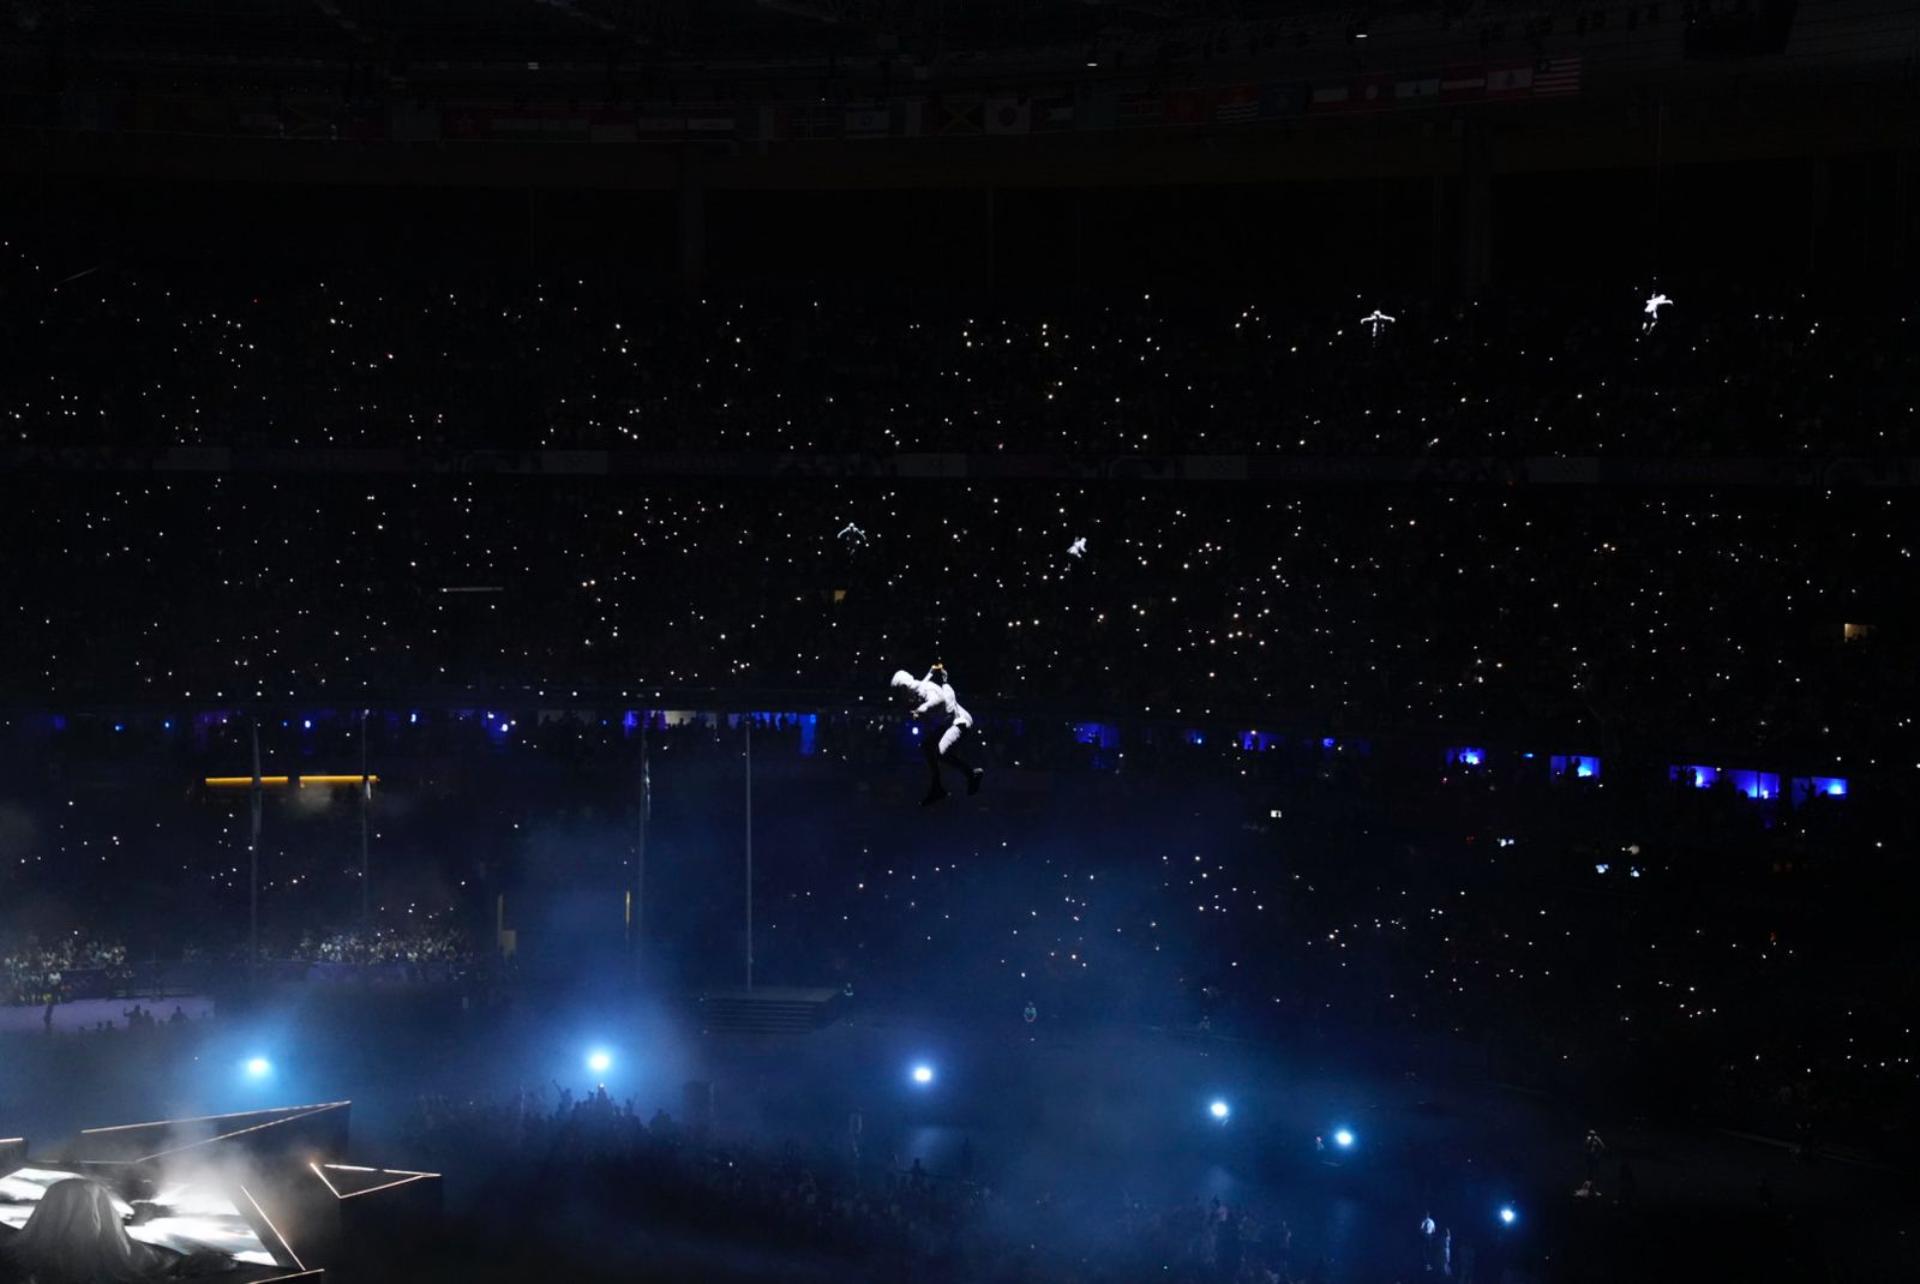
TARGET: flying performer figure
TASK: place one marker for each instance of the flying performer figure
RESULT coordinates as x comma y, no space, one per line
1651,311
943,723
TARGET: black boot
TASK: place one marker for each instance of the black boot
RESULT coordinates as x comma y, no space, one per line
974,778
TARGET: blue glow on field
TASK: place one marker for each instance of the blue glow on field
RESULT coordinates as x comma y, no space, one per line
1805,787
1467,756
923,1074
599,1061
258,1067
1342,1138
1758,785
1103,734
1507,1216
1220,1110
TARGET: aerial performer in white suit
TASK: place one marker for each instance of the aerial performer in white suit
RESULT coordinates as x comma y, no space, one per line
943,722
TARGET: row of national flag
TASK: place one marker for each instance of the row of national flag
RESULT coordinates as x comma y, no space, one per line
1094,107
1546,78
1047,112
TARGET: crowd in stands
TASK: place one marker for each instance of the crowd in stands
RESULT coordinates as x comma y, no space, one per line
123,356
69,965
80,966
1710,615
412,946
1621,935
881,1216
1135,858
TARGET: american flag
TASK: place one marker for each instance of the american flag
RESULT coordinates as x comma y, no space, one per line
1553,77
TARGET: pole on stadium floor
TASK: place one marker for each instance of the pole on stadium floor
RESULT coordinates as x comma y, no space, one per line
366,806
253,866
749,725
637,892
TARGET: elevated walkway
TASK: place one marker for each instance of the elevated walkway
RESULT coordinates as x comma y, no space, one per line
768,1009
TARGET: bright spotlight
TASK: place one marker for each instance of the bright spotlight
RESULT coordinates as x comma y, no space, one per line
1342,1138
599,1061
923,1074
1507,1215
1220,1110
259,1067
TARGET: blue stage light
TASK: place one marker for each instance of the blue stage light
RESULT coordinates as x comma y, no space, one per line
923,1074
1342,1138
259,1067
1507,1216
599,1061
1220,1110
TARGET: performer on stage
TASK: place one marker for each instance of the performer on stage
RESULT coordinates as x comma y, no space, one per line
943,722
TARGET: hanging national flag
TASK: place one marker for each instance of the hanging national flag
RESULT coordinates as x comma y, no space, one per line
1368,93
868,120
958,115
1283,98
1556,77
1052,111
612,125
908,115
1187,107
1463,82
1237,104
1512,81
1009,115
1372,93
662,126
814,122
1137,110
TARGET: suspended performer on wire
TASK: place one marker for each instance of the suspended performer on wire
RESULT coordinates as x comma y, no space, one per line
942,723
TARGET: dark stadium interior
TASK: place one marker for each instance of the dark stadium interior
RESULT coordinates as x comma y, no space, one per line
1404,512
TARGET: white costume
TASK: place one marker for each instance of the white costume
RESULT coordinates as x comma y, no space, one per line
938,699
1655,302
945,722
